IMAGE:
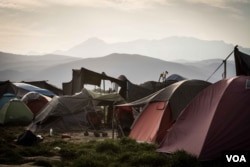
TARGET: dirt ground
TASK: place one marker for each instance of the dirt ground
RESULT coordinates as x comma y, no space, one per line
79,136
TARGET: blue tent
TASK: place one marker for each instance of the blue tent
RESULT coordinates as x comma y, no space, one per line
32,88
6,98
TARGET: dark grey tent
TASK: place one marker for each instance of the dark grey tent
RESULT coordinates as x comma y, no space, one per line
69,113
64,113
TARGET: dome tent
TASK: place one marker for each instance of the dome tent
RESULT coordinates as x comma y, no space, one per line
15,112
162,108
216,120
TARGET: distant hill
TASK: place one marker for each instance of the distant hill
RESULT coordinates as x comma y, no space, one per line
24,63
168,49
137,68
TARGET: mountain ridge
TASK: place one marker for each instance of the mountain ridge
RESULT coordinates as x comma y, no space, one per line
137,68
168,48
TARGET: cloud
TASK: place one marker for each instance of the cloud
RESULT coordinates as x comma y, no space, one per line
23,4
118,4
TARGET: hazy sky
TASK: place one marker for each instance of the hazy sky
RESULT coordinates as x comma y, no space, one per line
48,25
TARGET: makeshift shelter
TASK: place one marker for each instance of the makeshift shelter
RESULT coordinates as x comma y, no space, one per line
84,76
100,99
35,101
106,100
242,62
216,120
15,112
128,90
6,98
64,113
132,92
162,108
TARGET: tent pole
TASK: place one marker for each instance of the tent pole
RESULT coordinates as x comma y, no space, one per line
225,66
225,63
113,126
103,86
225,69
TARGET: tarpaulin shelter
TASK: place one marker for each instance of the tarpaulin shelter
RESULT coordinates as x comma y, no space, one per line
15,112
106,100
103,99
162,108
133,92
216,120
64,113
242,62
35,101
128,90
83,76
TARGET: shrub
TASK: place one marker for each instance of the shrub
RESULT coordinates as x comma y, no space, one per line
108,146
89,161
148,159
182,159
10,156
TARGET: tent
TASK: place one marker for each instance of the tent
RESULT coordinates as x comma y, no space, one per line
15,112
20,89
64,113
35,101
69,113
6,98
162,108
216,120
9,87
31,88
46,85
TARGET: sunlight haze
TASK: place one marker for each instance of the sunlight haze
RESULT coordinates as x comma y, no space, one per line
38,27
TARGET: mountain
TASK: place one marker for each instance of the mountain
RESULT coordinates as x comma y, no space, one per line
22,63
137,68
168,49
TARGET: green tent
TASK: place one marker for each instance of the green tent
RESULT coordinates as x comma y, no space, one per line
15,112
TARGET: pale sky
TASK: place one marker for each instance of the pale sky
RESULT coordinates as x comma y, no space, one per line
45,26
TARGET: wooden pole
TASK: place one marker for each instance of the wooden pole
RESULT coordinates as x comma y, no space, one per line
225,69
225,66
